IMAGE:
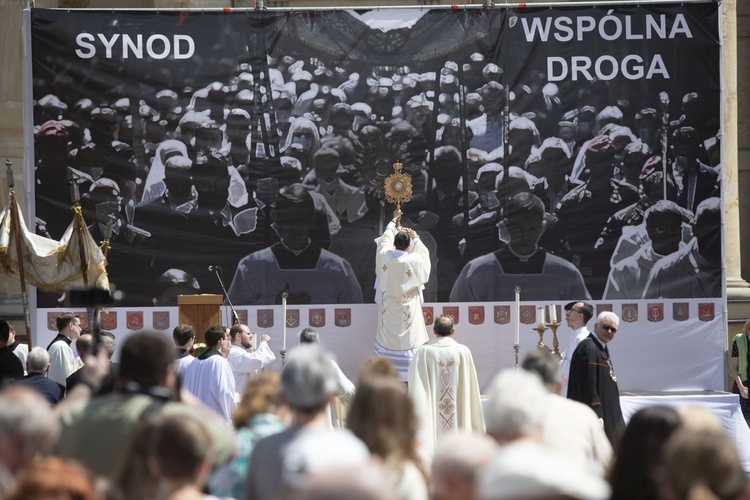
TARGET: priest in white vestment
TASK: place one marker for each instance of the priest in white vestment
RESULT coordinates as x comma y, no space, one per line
244,363
209,378
444,387
402,267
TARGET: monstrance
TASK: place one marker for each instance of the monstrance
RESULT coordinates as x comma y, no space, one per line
397,189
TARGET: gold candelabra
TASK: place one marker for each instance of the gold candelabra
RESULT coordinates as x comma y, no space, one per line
555,344
540,329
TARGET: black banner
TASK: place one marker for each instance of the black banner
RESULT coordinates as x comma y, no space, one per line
253,146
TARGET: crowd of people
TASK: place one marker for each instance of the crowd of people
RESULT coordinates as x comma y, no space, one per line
272,166
184,423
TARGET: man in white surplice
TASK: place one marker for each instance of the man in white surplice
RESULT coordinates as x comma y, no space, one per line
444,387
577,314
209,378
245,363
402,267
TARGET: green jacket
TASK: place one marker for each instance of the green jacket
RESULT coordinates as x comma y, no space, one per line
742,348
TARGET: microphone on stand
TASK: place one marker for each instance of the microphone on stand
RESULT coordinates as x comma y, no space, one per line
217,270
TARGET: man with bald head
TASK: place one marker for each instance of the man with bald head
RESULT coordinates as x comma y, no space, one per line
444,387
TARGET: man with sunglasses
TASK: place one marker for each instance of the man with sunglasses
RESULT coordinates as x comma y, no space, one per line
592,375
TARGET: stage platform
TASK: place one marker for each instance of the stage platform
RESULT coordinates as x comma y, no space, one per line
724,405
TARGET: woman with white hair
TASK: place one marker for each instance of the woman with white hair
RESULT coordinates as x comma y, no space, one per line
524,467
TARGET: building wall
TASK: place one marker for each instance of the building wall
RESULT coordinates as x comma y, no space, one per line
743,129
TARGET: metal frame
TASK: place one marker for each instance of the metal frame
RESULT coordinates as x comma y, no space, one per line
260,5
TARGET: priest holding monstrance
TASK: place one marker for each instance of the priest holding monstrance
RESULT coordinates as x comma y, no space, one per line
402,267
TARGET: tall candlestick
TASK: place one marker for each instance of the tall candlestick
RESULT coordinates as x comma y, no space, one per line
552,313
518,315
283,321
540,316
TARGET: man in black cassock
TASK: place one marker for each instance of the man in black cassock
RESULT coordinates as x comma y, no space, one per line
592,375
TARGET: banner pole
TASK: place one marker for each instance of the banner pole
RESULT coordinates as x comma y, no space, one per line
76,199
79,233
17,231
91,312
105,246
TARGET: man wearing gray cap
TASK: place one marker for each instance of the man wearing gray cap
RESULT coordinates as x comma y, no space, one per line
308,384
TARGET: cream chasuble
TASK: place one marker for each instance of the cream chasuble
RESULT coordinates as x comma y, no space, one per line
400,274
444,387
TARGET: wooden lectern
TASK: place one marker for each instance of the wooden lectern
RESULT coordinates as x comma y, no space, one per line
202,311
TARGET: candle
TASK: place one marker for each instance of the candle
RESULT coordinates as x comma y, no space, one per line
540,316
518,315
283,321
552,313
254,342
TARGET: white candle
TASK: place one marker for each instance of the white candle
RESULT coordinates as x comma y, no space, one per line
540,316
254,341
283,321
518,315
552,313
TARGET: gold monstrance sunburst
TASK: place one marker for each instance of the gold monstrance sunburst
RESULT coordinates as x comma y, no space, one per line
397,189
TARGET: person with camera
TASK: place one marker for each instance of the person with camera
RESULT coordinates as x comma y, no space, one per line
99,431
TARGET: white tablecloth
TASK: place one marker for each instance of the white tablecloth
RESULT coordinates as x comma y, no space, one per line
725,405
